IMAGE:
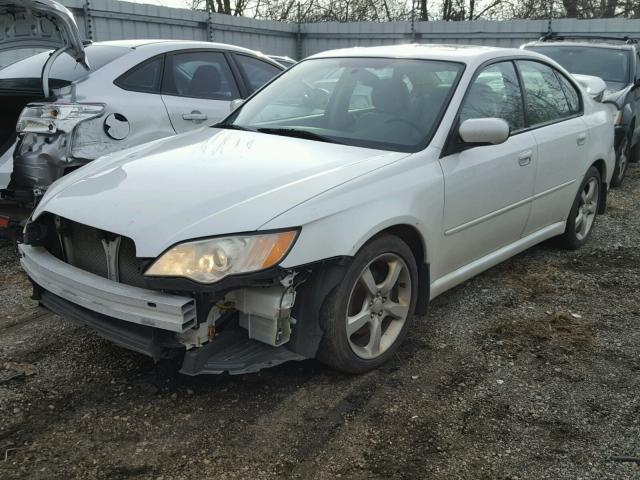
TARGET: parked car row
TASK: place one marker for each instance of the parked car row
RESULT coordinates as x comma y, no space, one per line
319,216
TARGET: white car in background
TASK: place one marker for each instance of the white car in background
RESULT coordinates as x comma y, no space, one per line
84,101
316,223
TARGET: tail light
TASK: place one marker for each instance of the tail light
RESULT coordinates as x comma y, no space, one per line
55,117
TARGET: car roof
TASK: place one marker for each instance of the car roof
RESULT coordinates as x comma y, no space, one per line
139,43
462,53
596,43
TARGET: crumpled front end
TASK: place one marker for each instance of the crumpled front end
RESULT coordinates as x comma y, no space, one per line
238,325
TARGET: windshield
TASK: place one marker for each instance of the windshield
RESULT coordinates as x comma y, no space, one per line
384,103
610,64
65,69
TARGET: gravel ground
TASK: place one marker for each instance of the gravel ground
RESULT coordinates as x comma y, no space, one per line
529,371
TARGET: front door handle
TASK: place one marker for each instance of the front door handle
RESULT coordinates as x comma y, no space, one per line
581,138
194,116
524,158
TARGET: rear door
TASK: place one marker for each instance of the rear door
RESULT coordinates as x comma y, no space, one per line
554,116
197,88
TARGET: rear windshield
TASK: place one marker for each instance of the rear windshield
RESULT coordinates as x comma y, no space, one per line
610,64
65,69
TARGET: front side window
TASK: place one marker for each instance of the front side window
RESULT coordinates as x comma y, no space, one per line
495,93
256,71
385,103
199,75
546,100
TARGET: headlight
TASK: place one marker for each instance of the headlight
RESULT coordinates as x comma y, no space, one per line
207,261
53,117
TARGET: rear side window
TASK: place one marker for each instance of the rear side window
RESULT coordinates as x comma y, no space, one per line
204,75
145,77
546,100
256,71
573,97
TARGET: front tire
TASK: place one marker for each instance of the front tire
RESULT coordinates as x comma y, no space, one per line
367,316
583,212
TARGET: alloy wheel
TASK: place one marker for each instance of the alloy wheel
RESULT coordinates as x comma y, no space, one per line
587,208
378,306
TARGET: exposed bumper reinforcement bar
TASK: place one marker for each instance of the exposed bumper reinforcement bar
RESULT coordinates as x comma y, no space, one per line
131,304
230,352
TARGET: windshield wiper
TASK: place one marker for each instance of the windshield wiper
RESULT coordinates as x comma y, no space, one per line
293,132
231,126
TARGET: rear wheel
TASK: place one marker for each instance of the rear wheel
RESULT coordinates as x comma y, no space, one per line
367,316
583,212
623,156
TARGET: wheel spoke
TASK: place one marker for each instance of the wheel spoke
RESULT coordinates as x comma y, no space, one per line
579,219
395,268
357,321
373,347
396,310
369,282
591,189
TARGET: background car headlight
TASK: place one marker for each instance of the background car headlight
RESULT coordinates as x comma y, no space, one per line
207,261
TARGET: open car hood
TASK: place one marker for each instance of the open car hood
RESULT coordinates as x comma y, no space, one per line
40,24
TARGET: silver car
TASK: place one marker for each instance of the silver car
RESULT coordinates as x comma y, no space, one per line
85,101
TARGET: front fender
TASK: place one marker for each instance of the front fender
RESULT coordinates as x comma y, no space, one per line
340,221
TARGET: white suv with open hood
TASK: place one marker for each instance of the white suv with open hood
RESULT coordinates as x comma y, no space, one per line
327,209
84,101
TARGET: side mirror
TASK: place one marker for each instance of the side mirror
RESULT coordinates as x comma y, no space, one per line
594,86
484,131
636,82
235,104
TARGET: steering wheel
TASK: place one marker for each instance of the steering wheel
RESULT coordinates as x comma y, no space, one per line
415,127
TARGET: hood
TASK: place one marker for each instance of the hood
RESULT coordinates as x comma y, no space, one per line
39,24
204,183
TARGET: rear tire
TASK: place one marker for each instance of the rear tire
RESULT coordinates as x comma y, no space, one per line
583,212
367,316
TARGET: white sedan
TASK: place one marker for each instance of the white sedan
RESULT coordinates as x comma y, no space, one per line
91,100
326,211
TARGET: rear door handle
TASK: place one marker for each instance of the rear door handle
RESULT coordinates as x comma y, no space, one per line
524,158
194,116
581,138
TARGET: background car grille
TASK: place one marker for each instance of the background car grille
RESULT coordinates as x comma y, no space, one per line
84,249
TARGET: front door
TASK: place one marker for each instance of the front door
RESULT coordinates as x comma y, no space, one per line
488,188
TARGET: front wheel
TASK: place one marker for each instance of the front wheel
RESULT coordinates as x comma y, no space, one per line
367,316
583,212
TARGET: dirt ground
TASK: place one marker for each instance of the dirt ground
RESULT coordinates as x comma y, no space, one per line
529,371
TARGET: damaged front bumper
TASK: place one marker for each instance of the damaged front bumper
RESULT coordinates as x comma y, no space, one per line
163,325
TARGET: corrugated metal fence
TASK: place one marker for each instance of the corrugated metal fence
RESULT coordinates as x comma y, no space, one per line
112,19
